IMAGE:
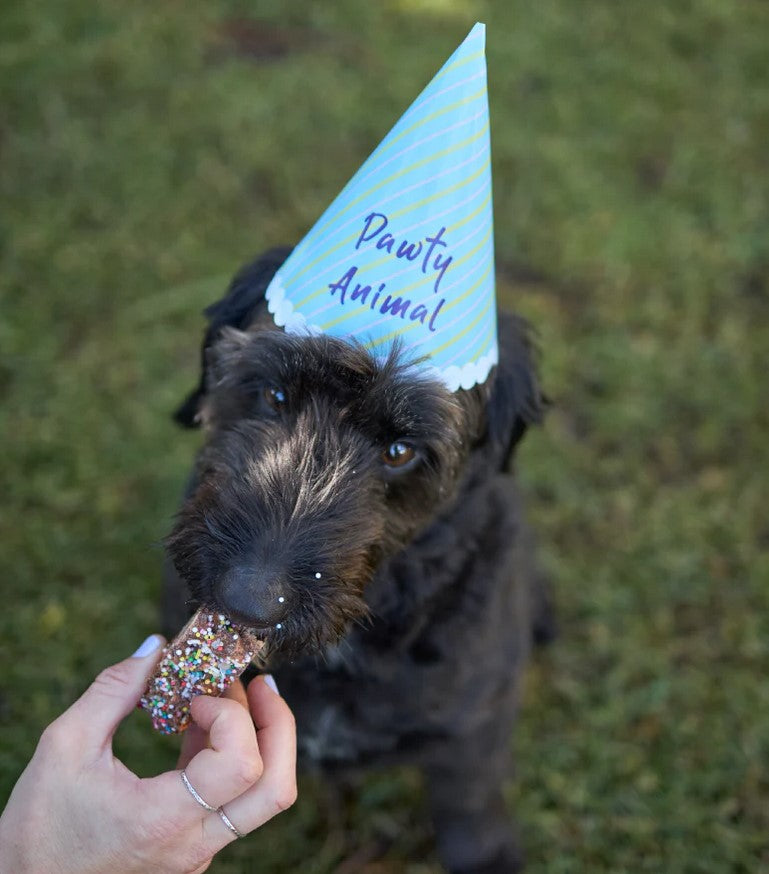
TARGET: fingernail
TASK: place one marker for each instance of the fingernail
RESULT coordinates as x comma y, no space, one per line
152,643
269,680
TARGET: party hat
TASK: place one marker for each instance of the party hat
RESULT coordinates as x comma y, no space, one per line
406,251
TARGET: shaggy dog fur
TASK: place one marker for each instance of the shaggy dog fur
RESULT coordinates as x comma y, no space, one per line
359,510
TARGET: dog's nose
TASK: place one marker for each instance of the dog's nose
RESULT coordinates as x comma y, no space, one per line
254,595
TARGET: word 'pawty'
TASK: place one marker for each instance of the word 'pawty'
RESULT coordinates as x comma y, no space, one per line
373,229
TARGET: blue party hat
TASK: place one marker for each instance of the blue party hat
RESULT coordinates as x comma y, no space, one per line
406,251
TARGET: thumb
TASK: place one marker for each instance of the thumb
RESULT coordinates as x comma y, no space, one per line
113,695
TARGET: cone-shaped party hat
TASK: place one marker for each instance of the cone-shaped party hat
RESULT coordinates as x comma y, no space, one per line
406,251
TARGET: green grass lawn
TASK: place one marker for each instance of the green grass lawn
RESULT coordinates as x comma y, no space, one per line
147,149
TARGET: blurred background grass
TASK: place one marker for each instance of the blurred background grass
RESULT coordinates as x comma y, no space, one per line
147,149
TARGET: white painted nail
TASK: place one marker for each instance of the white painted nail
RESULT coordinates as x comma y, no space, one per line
152,643
269,680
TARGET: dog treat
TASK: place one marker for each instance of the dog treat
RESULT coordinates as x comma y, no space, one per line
205,657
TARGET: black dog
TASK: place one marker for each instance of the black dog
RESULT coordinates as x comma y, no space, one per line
357,509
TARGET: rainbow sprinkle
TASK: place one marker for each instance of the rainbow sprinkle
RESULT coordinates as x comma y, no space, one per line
206,657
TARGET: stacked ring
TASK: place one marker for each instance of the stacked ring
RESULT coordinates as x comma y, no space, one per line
228,822
220,810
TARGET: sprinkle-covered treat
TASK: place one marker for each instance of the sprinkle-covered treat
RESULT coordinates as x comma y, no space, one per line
206,657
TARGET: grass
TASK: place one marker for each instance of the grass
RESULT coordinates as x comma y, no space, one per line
147,149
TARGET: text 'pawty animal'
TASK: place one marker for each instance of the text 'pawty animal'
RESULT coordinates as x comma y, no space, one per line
430,255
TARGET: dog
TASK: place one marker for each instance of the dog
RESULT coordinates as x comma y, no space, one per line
357,510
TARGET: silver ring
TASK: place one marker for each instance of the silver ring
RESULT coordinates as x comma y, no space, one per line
194,794
228,822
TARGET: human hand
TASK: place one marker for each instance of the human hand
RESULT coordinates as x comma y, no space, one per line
76,808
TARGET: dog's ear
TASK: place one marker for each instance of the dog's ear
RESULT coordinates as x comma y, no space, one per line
515,399
235,310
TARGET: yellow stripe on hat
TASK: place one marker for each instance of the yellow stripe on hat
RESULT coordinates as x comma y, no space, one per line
474,322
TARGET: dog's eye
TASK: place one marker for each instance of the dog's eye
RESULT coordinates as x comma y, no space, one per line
399,453
275,397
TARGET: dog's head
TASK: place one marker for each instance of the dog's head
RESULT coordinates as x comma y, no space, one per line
321,462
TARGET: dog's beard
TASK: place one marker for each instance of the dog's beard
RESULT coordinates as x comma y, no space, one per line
323,604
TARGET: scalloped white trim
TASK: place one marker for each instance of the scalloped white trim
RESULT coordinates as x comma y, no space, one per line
283,312
470,374
454,377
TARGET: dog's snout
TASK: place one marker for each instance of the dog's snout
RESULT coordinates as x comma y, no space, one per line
254,594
